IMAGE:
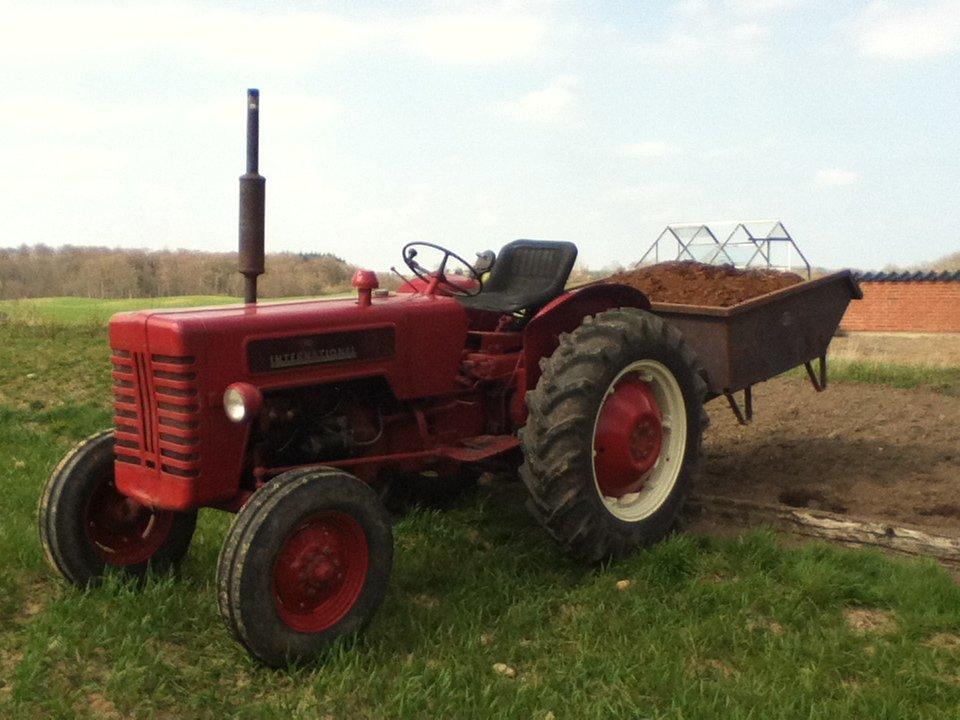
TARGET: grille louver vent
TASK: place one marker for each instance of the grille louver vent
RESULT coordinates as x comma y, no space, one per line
156,411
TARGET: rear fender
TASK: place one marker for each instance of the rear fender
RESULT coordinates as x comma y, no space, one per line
565,313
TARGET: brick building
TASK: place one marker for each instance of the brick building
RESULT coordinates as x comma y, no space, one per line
906,302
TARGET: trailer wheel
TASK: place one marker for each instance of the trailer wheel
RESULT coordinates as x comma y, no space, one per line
87,526
612,440
306,561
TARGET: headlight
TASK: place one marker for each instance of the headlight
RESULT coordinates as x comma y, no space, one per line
241,402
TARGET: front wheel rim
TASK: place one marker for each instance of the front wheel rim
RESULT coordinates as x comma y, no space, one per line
639,440
122,531
320,571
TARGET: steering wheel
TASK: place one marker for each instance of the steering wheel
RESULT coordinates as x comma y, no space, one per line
438,276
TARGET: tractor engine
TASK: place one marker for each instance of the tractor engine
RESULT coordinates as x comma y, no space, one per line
360,425
323,424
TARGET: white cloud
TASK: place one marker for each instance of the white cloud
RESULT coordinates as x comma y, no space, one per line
284,39
908,32
234,35
476,38
551,104
286,112
836,177
33,115
754,7
37,114
224,35
650,149
705,32
656,193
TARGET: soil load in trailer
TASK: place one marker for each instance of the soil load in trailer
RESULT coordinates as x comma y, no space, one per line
687,282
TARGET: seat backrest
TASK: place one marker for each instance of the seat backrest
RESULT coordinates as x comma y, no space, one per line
535,269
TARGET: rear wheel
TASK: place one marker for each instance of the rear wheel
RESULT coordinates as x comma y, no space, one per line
87,526
305,562
612,440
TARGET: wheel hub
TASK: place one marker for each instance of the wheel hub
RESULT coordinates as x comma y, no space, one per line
310,566
122,531
628,436
320,571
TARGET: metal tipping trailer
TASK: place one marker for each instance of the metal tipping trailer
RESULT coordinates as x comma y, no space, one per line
760,338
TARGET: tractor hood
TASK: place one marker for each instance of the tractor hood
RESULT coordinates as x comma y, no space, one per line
175,445
283,344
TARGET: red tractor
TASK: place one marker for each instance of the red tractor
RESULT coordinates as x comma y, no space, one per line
298,415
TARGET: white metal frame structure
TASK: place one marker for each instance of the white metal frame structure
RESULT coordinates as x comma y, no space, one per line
757,240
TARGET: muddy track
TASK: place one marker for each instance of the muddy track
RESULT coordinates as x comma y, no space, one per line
868,451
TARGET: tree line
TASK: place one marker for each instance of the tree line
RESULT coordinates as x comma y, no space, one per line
41,271
99,272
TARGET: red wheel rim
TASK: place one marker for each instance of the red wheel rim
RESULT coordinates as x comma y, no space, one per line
320,571
121,530
628,437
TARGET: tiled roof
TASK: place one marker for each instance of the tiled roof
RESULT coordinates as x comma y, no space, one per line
946,276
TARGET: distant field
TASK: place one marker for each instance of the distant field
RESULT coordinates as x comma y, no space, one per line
939,379
945,380
74,310
927,349
91,311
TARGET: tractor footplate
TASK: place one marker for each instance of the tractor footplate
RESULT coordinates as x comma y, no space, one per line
479,448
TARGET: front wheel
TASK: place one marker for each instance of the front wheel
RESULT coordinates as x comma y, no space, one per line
612,440
305,562
87,526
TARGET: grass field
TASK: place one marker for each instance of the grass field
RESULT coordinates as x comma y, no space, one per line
938,379
73,310
82,311
945,380
708,628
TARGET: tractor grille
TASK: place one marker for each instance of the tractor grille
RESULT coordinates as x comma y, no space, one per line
157,412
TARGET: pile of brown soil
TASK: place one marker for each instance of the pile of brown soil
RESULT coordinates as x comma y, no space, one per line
693,283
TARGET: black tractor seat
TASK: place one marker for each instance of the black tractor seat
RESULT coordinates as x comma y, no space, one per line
526,276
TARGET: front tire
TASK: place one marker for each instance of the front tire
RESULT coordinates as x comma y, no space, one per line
306,561
87,526
612,440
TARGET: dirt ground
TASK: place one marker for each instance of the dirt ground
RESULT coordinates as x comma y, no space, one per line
869,451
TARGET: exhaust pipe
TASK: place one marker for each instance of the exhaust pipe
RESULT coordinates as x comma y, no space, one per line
252,204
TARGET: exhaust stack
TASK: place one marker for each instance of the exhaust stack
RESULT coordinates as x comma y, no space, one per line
252,204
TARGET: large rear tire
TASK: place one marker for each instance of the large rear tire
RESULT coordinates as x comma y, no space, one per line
612,439
306,561
87,526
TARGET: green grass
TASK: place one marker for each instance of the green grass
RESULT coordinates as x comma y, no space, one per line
709,628
92,311
74,310
938,379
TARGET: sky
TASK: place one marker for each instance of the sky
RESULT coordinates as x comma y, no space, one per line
470,124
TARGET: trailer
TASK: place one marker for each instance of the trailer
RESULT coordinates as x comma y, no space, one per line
765,336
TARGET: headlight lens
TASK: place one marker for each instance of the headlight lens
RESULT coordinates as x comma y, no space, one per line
241,401
233,404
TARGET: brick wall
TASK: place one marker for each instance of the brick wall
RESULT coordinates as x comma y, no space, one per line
923,306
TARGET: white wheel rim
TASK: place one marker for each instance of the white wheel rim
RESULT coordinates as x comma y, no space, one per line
658,481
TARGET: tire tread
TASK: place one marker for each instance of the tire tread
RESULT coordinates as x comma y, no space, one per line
561,412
